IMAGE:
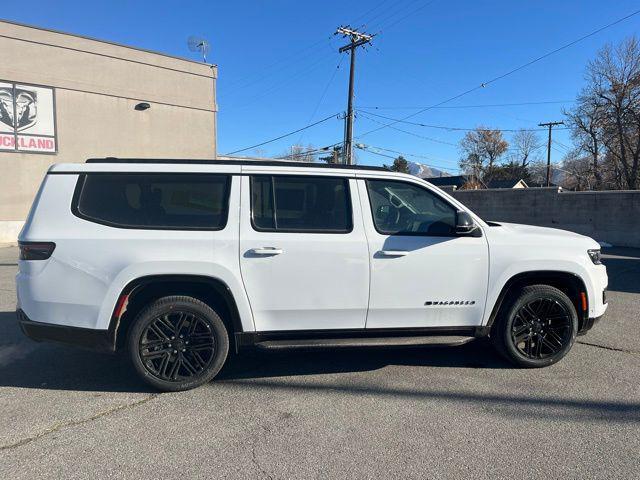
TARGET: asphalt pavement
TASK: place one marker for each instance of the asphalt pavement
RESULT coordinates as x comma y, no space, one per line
428,412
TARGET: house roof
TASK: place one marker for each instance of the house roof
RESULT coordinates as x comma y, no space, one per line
506,183
452,181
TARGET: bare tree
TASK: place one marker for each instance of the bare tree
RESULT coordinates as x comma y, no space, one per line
298,153
537,170
481,149
524,144
472,165
608,111
586,121
577,171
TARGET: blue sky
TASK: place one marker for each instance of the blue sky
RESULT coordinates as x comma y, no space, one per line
277,58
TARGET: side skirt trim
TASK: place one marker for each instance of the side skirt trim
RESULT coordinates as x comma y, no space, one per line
354,337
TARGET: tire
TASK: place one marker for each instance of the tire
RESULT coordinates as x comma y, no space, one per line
177,343
537,328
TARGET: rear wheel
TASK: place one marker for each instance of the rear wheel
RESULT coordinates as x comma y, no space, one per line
537,328
177,343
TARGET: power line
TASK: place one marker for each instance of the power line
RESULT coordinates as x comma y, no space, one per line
567,148
383,12
285,135
384,27
253,78
394,158
364,15
259,76
275,86
444,127
510,72
486,105
406,131
416,155
312,151
404,154
387,18
324,92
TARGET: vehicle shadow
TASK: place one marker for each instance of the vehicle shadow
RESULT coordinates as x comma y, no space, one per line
262,364
28,364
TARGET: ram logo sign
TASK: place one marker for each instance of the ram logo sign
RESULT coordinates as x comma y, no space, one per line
27,118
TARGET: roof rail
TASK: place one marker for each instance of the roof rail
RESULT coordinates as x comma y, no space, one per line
262,163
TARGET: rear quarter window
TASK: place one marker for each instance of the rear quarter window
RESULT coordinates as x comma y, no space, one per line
154,200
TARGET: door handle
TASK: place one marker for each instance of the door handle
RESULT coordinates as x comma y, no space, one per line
393,253
266,251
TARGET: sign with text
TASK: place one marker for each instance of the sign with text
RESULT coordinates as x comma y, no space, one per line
27,118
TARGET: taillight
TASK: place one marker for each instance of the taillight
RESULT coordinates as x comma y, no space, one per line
36,250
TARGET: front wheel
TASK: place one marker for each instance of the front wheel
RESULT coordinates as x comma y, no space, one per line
177,343
537,328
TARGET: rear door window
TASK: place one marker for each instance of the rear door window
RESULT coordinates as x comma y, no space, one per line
154,200
284,203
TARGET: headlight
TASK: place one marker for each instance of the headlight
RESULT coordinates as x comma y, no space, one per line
595,256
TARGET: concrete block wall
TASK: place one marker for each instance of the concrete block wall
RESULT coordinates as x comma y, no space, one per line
611,216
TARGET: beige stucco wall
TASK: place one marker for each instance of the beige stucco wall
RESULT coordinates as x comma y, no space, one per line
97,85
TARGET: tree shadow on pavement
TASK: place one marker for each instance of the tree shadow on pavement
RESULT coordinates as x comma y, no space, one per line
518,407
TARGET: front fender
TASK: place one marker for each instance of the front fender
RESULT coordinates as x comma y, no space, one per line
501,277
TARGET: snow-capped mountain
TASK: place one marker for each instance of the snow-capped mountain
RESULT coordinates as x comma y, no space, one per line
423,171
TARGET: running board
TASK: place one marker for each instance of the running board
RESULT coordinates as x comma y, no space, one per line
308,343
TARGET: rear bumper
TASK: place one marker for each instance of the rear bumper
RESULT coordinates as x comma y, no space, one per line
88,338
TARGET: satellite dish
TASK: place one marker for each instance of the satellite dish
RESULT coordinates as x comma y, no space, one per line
199,44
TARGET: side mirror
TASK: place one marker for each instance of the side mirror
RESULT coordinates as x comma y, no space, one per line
465,224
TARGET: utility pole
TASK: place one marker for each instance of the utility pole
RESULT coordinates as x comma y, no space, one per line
357,39
550,125
335,156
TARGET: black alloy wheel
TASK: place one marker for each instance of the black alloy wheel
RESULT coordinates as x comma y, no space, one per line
177,343
537,328
541,328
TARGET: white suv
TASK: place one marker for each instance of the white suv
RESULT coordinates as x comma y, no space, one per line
177,262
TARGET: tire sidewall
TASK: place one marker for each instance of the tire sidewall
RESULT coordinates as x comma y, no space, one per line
186,304
528,295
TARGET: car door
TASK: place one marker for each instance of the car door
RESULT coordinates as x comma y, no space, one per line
303,252
422,273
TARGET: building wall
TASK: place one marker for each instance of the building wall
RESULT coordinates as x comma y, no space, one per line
97,85
610,216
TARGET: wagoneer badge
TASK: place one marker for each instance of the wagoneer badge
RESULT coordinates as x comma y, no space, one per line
434,303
